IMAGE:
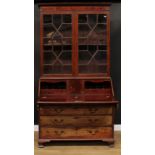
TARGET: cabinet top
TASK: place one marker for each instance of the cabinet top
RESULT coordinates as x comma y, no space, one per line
72,3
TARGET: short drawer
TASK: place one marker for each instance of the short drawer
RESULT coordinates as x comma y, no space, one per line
75,121
75,110
97,133
76,133
55,133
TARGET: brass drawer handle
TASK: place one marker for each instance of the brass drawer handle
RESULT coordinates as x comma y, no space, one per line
58,110
58,121
59,132
93,110
92,132
93,120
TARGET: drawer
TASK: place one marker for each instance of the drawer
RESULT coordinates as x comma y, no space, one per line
76,133
55,133
98,133
75,121
75,110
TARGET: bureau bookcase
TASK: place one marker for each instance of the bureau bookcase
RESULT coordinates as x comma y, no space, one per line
76,98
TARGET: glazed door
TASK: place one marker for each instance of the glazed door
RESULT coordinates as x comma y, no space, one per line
75,41
57,43
92,43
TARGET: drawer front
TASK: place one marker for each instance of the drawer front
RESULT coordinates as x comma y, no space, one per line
75,110
57,133
72,133
102,132
75,121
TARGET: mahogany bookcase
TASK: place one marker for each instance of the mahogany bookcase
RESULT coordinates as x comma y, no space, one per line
76,99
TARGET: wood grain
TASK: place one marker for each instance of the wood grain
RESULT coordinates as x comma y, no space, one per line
75,110
76,133
75,121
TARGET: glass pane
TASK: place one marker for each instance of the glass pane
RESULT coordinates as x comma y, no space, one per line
57,20
84,30
102,18
67,19
57,32
83,18
92,43
47,19
49,58
65,30
92,19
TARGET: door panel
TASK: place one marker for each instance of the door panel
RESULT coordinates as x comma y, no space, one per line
67,50
57,43
92,43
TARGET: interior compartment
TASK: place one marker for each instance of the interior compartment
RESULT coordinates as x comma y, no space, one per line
97,85
53,85
53,90
97,90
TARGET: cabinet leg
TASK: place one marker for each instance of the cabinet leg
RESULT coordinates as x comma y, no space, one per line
111,144
41,145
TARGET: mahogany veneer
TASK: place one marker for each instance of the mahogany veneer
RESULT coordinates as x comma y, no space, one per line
76,98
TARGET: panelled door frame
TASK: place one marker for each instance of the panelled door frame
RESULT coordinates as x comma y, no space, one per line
74,11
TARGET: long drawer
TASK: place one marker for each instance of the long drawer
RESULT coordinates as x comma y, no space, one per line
75,121
75,110
76,133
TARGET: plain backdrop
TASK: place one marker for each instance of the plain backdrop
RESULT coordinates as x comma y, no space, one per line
137,77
